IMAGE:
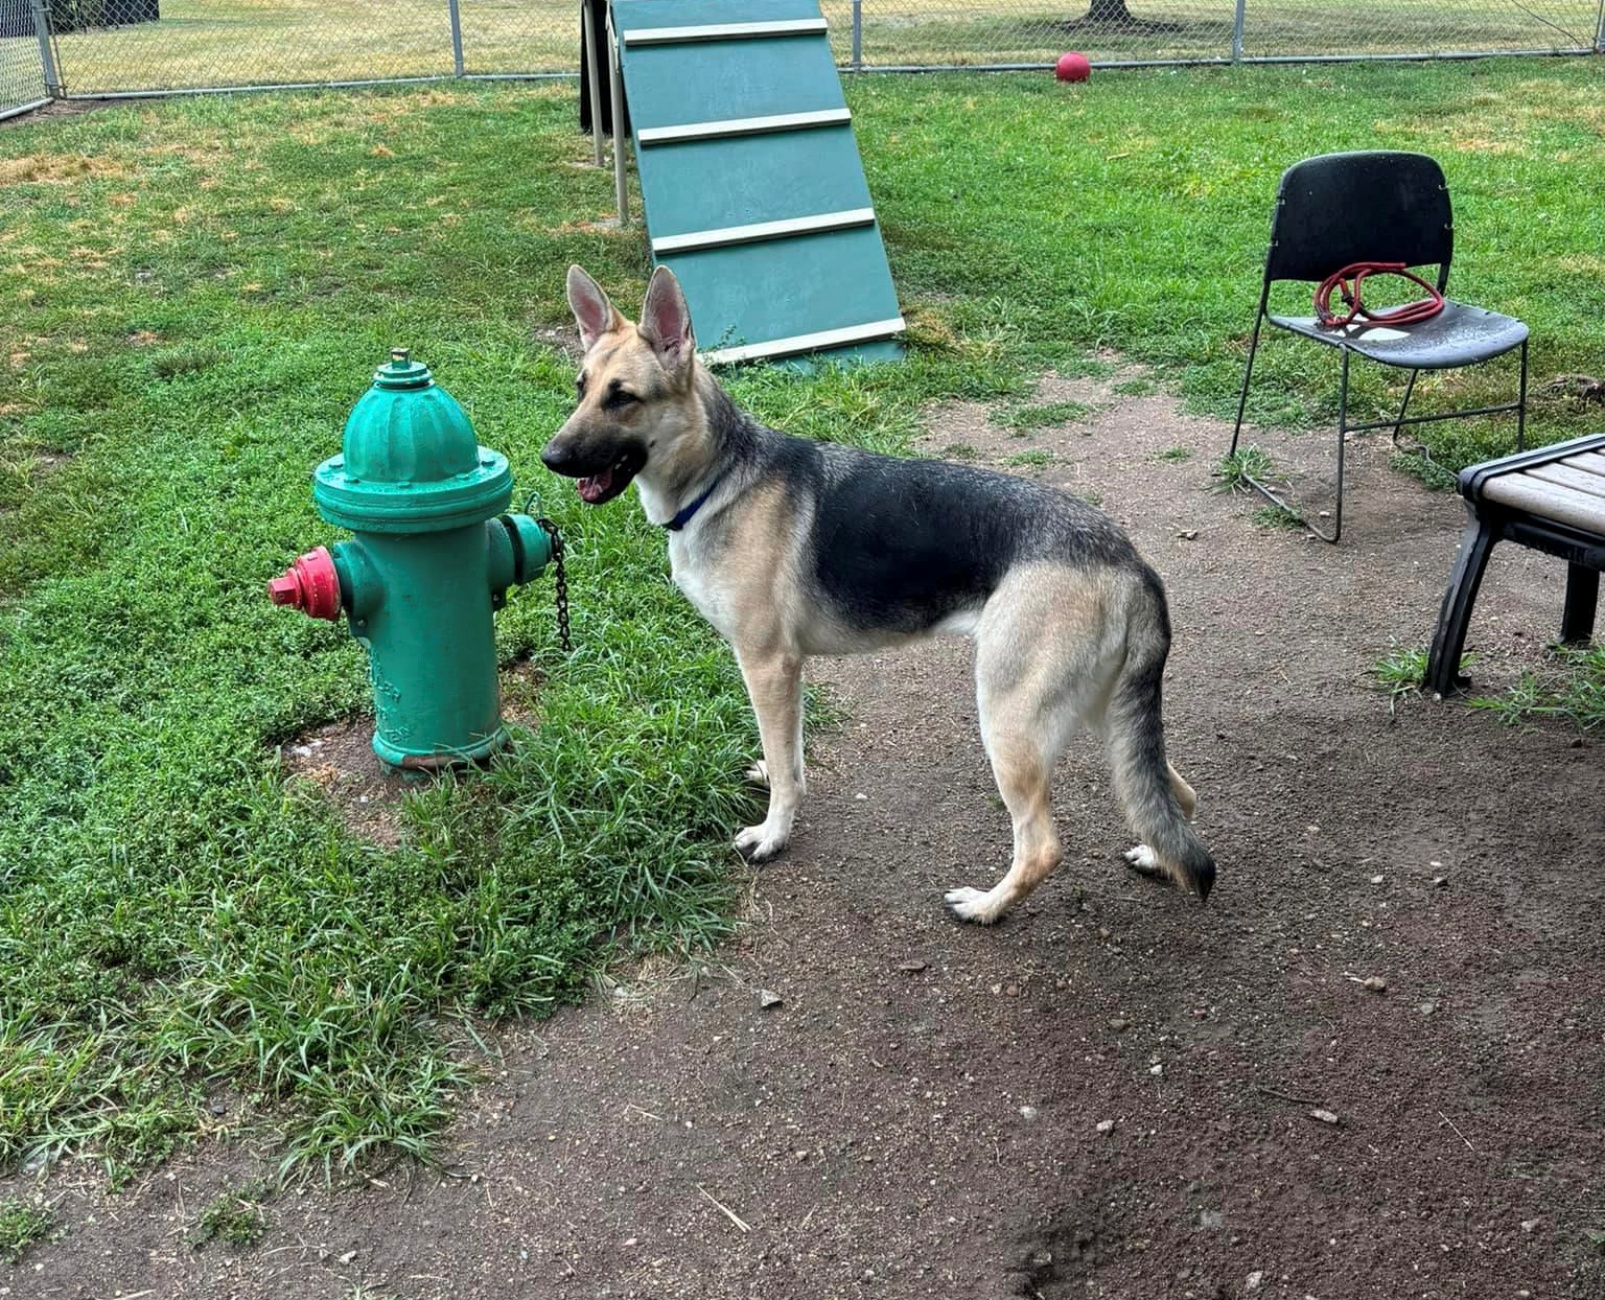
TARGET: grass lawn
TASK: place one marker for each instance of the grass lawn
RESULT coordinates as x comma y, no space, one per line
197,291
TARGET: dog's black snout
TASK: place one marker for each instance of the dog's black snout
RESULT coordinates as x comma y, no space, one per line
558,459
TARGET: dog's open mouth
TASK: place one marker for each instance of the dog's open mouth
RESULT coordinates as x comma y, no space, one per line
597,488
606,484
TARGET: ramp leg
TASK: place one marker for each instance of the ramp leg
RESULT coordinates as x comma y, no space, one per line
615,81
593,62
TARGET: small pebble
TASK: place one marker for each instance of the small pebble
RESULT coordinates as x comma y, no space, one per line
862,797
1527,1225
1104,1125
1427,1008
1440,882
1119,1023
1252,1281
1375,984
1029,1113
1377,880
1156,1069
1325,1116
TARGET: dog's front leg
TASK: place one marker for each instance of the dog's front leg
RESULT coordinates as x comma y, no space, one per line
774,685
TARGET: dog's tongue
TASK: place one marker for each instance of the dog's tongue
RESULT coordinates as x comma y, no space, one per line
594,486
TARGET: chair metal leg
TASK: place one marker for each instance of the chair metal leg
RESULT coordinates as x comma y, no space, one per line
1521,408
1343,437
1248,371
1582,600
1263,489
1449,638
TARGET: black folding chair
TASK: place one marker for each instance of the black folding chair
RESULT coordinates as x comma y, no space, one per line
1376,206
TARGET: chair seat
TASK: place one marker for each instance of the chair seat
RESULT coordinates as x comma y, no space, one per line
1459,335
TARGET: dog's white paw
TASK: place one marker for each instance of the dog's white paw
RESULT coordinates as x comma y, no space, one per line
971,905
759,843
758,774
1144,860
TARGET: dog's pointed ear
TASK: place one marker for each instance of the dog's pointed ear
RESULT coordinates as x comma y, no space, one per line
593,312
666,323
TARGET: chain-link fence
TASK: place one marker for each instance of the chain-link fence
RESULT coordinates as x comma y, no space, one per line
106,47
23,51
920,34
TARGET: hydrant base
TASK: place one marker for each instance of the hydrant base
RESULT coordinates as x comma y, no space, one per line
440,760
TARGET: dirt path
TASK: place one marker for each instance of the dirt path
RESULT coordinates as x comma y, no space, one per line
1110,1095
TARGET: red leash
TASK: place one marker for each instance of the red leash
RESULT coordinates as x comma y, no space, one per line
1346,283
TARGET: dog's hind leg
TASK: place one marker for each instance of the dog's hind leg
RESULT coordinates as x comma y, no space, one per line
1023,773
774,685
1042,669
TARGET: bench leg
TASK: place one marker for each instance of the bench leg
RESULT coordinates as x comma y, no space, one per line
1443,661
1582,599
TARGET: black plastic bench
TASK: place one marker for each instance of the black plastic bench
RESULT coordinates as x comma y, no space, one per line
1552,499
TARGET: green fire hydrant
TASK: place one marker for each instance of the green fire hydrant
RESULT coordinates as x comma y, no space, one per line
431,561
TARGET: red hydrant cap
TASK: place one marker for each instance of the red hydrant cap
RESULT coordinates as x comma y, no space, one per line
311,584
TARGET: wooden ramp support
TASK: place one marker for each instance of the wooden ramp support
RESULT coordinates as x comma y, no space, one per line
750,176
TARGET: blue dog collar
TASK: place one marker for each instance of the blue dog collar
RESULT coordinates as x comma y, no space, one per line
684,517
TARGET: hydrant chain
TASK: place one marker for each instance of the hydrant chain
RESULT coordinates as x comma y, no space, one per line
560,583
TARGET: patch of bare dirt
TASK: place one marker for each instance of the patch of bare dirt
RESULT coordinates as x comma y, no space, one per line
1112,1094
339,760
60,108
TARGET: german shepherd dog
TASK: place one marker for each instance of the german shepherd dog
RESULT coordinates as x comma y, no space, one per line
793,548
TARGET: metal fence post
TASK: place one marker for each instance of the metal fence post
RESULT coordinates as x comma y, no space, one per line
47,55
858,35
456,38
1599,30
1237,31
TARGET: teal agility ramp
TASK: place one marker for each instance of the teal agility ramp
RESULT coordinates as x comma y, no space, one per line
750,176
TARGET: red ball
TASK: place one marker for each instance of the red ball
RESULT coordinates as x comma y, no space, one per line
1072,67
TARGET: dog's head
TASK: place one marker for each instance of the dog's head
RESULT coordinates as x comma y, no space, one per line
637,407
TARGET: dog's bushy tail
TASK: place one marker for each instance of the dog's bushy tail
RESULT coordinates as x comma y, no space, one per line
1136,736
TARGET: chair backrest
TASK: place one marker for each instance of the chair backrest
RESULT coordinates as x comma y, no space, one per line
1375,206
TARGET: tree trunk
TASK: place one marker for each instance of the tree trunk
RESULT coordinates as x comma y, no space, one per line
1109,11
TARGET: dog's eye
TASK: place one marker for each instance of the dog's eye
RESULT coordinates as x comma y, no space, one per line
617,398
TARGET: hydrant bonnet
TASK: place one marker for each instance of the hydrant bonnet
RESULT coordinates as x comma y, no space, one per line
410,461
